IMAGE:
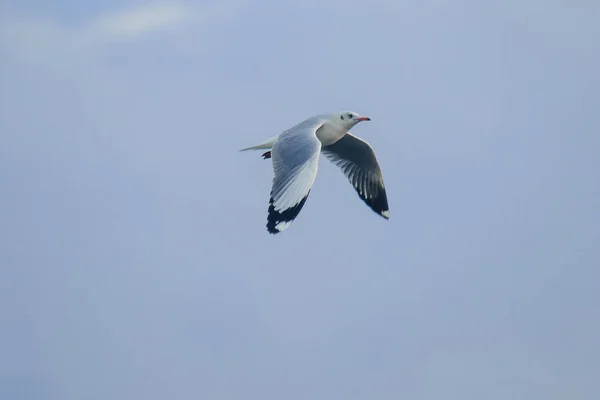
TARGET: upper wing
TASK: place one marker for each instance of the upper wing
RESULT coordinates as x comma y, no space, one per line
358,162
295,158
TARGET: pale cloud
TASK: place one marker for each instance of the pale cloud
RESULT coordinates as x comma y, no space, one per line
146,19
37,36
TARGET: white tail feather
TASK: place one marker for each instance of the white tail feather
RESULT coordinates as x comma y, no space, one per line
267,144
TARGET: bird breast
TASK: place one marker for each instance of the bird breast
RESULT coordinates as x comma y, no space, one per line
328,134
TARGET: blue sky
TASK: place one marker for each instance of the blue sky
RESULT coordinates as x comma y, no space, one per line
134,257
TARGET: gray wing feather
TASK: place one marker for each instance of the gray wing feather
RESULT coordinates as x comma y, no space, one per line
295,158
357,161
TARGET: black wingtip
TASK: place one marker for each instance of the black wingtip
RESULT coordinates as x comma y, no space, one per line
278,221
378,203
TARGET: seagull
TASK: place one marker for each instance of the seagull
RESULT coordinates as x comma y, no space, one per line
295,155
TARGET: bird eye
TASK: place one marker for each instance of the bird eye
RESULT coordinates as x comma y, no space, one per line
350,116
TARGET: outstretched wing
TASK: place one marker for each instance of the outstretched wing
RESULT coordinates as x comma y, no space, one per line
357,160
295,158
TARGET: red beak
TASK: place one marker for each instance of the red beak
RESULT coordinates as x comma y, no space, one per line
363,119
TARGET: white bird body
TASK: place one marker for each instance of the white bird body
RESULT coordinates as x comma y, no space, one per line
295,154
329,134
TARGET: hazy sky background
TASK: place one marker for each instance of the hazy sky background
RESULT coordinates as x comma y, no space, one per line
135,262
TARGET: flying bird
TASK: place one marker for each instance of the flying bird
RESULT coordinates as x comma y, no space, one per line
295,155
